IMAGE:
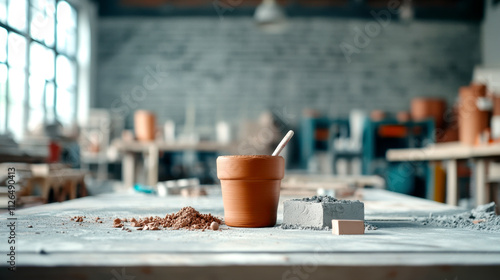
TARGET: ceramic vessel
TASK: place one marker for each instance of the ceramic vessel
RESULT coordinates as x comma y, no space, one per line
471,121
145,125
423,108
250,189
377,115
403,116
496,105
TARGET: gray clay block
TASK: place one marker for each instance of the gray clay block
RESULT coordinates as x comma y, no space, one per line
320,214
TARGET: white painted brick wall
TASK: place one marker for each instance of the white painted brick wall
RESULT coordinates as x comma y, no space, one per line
232,70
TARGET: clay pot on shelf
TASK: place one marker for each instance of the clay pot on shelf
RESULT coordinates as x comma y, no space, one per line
424,108
250,189
403,116
145,125
377,115
471,120
496,105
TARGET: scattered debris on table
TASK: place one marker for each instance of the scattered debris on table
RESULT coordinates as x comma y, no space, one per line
187,218
482,218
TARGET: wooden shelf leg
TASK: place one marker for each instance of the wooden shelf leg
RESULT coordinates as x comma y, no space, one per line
480,181
152,165
451,182
72,189
128,170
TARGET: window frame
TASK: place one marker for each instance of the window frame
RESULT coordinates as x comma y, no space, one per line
27,67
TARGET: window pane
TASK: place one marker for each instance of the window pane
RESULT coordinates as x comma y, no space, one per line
16,86
3,90
48,5
17,50
17,14
42,61
66,40
65,106
42,21
35,119
15,123
65,72
3,44
71,42
66,15
66,28
3,10
37,86
3,73
49,102
16,102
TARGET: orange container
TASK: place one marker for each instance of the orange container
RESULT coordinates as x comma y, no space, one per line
403,116
471,121
145,125
396,131
250,189
377,115
423,108
496,105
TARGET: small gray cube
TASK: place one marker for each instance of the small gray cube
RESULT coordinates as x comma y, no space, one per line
320,214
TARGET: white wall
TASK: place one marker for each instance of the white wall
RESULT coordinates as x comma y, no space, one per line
230,70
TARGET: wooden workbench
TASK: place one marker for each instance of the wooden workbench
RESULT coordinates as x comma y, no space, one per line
57,248
151,150
450,153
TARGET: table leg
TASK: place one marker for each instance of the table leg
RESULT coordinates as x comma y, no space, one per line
45,184
494,193
128,169
451,182
153,165
480,181
72,189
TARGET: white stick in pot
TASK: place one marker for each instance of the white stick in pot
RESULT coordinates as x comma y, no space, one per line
283,143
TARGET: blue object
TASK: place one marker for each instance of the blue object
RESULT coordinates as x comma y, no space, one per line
144,189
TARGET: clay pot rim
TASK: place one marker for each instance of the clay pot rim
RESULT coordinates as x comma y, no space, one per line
430,98
249,156
253,167
144,111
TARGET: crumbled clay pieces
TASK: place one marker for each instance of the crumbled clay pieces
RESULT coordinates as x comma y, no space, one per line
78,219
187,218
214,226
343,227
117,223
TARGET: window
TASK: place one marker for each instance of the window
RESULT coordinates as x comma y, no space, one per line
38,66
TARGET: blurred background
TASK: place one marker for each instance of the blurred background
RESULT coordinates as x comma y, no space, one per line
146,94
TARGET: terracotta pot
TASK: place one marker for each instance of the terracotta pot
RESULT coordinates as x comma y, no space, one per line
423,108
377,115
145,125
250,189
496,105
403,116
471,121
449,135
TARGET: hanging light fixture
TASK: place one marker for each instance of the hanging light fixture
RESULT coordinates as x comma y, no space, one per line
406,11
270,16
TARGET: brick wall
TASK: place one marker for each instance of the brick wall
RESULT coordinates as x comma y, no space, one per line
230,70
